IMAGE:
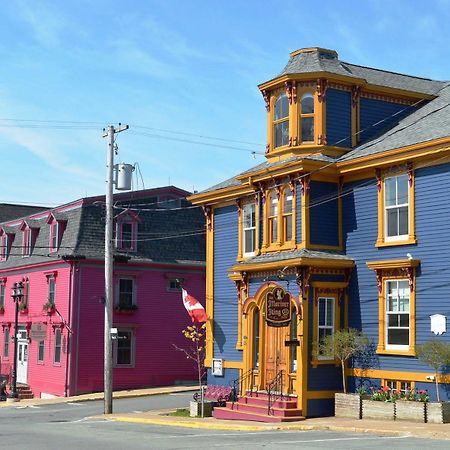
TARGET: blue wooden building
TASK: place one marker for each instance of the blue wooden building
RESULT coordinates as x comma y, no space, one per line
346,224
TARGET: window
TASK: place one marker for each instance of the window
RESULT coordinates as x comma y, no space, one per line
279,231
396,209
4,247
126,234
175,284
325,323
54,236
397,314
293,338
126,293
307,118
273,218
404,387
249,229
41,351
2,295
26,242
256,338
51,290
6,337
396,306
281,121
123,348
58,342
26,292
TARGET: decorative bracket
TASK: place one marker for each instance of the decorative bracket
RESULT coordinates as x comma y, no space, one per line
321,88
322,139
356,92
291,91
266,97
207,211
305,182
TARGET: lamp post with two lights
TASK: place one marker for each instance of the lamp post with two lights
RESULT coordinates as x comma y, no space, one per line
17,296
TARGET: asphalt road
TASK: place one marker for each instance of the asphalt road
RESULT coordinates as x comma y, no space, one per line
69,426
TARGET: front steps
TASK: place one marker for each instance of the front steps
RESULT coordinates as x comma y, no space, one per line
254,406
24,392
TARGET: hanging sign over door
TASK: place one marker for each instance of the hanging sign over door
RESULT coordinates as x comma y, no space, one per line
278,307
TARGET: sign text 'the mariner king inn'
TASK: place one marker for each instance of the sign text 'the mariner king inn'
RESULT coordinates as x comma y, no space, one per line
278,307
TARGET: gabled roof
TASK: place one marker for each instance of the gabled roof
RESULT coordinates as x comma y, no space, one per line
315,60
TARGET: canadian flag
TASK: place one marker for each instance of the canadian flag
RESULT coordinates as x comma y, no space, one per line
194,308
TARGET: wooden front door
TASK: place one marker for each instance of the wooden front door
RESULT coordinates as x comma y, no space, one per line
276,353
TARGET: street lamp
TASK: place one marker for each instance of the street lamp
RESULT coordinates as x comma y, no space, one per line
17,296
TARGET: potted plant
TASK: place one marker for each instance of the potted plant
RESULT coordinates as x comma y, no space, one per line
342,345
411,406
380,405
23,307
436,354
48,307
195,334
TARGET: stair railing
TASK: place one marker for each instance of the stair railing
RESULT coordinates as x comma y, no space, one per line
239,384
274,391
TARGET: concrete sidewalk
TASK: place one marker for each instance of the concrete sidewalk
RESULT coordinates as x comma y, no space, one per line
161,418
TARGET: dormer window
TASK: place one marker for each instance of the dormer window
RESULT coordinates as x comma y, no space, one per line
306,118
4,244
27,242
281,121
56,230
126,231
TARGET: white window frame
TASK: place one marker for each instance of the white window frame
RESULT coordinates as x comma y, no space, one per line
6,346
132,347
325,326
387,313
58,331
4,247
54,236
2,294
119,235
133,293
26,242
397,206
51,292
250,229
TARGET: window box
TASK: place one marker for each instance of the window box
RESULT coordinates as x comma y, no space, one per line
438,412
2,309
49,308
348,405
125,309
373,409
411,411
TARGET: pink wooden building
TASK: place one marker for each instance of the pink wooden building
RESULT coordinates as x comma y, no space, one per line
58,254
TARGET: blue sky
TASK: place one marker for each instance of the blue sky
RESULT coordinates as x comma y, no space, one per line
176,71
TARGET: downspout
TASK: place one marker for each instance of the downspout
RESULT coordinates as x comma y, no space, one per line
69,338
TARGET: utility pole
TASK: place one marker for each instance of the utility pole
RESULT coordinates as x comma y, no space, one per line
108,374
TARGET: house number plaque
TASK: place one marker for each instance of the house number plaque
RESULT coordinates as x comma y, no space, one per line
278,307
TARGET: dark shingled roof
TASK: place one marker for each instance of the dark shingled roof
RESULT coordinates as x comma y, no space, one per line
265,165
11,211
175,236
327,61
294,254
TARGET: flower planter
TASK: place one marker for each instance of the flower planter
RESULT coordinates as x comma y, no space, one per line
348,405
438,412
195,409
373,409
410,410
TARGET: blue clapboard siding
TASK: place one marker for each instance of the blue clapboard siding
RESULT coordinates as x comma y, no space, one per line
323,213
225,299
373,111
229,375
433,249
339,118
298,206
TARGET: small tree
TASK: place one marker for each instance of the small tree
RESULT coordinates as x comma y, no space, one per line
435,354
195,334
342,345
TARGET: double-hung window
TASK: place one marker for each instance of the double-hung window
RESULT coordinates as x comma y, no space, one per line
273,218
326,320
6,337
397,314
126,293
123,348
58,345
307,118
281,121
287,215
54,236
3,247
51,290
249,229
396,206
26,241
126,235
2,295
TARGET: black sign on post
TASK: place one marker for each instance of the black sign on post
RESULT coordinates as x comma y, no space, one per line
278,307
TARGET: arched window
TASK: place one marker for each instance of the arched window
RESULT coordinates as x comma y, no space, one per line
307,118
281,121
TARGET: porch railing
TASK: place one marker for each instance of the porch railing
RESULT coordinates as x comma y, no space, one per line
244,382
275,391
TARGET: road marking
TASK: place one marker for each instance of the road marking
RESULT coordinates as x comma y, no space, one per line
73,404
375,438
27,406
